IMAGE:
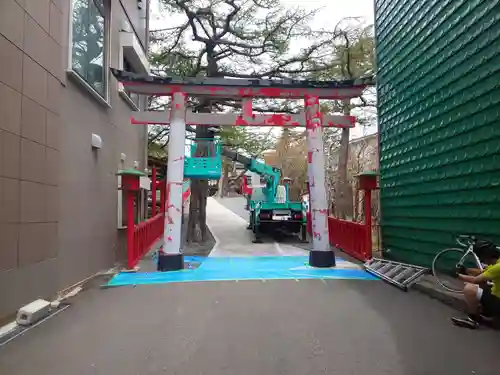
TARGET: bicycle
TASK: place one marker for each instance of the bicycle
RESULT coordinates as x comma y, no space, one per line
446,263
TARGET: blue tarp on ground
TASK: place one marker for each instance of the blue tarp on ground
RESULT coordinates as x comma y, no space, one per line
241,268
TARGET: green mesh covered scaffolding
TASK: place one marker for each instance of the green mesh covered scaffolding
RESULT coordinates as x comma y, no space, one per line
439,117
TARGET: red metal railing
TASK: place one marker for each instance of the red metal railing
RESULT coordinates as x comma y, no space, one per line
141,237
350,237
144,236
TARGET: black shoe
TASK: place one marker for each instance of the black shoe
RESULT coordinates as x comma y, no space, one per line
465,322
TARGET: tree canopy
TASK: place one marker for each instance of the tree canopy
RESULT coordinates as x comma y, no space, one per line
233,38
352,57
244,140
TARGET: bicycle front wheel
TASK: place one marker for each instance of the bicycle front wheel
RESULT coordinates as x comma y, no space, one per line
444,268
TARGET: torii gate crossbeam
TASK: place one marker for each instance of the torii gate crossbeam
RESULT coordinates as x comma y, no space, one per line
178,117
233,119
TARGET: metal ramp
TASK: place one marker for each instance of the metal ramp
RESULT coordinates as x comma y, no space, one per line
401,275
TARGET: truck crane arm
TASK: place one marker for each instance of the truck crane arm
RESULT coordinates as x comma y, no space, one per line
270,174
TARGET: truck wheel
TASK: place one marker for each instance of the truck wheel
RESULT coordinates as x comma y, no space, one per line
303,234
256,231
250,223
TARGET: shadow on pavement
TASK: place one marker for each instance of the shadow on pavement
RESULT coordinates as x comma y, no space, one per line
427,341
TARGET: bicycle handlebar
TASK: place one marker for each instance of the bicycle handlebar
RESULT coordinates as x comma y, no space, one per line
469,240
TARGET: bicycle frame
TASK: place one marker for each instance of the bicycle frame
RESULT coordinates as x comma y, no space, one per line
466,247
476,259
470,250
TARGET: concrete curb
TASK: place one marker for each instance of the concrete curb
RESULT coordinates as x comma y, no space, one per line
428,286
59,302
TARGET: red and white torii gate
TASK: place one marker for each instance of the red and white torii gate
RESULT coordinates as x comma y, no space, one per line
243,89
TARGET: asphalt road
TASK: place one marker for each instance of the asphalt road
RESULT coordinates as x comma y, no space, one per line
309,327
273,327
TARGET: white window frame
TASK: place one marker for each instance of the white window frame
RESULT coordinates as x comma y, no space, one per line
121,89
125,96
104,100
130,41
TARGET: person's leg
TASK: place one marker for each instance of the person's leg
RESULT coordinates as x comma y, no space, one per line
485,303
472,295
490,308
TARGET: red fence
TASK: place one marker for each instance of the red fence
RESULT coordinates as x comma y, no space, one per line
141,237
350,237
145,235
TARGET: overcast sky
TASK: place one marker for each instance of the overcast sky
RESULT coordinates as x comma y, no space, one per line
335,10
332,11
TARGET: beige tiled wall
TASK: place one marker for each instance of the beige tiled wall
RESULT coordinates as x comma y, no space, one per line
29,105
57,196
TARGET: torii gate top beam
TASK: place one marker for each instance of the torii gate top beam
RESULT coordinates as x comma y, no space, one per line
241,88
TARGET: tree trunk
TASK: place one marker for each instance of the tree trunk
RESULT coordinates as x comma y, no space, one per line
357,205
220,186
226,165
193,232
197,225
343,191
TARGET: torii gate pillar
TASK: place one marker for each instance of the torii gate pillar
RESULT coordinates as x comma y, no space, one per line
321,255
171,258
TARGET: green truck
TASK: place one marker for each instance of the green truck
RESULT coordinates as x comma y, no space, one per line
268,204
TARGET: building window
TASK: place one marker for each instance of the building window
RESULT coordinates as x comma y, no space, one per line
127,66
89,43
